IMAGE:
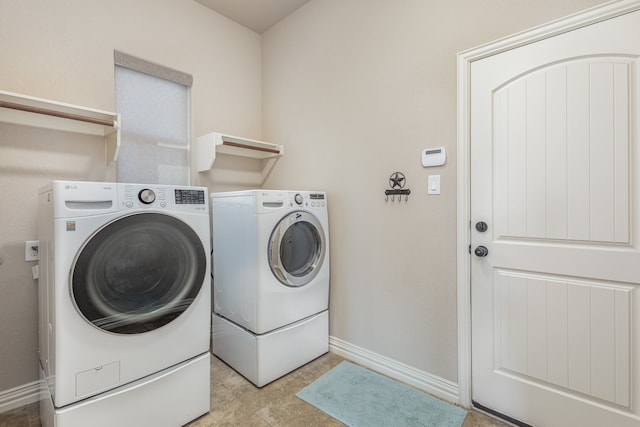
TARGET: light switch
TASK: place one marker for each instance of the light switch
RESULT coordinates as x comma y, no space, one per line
434,184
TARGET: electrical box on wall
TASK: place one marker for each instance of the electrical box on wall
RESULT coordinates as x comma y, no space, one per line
433,157
31,248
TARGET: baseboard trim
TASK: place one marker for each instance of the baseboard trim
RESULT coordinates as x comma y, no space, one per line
432,384
444,389
19,396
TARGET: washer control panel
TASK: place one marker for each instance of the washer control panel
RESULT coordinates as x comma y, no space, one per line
190,197
186,199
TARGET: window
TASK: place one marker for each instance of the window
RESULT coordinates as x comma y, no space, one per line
154,105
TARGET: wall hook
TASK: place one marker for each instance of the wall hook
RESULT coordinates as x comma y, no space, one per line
397,181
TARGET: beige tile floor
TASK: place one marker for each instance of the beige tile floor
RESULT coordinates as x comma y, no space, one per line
237,402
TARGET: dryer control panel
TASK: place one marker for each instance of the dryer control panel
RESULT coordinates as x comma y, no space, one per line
267,201
307,199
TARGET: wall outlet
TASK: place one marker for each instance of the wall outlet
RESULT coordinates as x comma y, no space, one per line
31,250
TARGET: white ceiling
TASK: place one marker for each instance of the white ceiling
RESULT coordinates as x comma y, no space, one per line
257,15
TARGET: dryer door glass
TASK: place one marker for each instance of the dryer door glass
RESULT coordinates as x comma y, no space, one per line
296,249
138,273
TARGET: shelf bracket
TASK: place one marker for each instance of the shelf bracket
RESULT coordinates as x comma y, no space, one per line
209,145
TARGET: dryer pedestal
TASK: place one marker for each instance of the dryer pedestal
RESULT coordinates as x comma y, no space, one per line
264,358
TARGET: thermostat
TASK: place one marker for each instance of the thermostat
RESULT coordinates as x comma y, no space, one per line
433,157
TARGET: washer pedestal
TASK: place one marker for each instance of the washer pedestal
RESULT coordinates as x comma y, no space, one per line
264,358
168,398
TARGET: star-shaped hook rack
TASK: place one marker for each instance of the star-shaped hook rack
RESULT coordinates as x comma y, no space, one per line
397,181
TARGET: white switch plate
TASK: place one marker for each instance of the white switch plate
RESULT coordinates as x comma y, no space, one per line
31,254
434,184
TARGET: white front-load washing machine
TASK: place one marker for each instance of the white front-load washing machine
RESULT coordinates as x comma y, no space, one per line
125,300
271,280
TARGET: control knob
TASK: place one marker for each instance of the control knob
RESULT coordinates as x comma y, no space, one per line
147,196
298,198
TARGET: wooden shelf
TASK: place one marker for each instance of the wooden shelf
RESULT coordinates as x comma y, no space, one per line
212,143
43,113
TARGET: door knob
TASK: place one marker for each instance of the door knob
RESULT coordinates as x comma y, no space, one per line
481,251
481,226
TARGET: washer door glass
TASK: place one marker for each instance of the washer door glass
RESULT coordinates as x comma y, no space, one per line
296,249
138,273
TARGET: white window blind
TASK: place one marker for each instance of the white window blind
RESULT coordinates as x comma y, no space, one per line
154,105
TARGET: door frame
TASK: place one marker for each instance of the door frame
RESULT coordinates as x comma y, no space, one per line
465,59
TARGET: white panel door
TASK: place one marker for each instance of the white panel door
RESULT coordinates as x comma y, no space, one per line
554,175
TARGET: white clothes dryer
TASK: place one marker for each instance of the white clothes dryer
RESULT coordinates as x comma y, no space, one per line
271,280
124,294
